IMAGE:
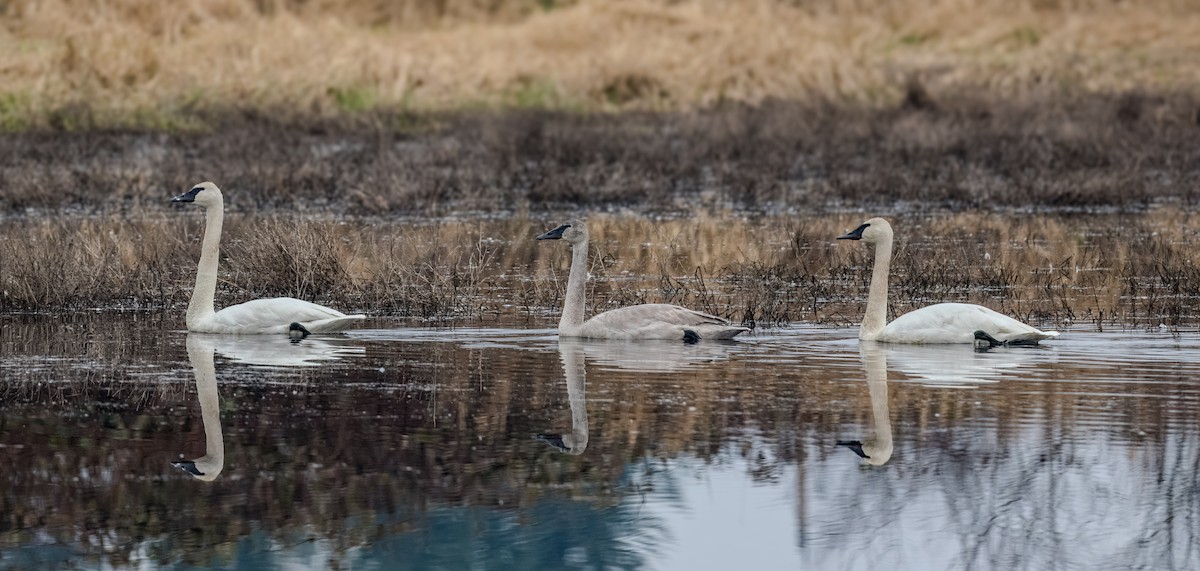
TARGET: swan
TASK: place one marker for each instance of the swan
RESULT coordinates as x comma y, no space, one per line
878,450
570,352
646,321
207,467
940,323
274,315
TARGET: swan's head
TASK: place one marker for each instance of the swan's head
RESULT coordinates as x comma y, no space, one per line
203,468
572,231
874,452
872,231
565,443
205,194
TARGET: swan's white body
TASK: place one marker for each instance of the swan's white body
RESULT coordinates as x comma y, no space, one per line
273,315
940,323
647,321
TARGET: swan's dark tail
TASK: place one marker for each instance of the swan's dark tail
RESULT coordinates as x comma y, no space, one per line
985,341
297,331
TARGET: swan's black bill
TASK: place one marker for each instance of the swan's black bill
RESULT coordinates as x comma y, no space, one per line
854,445
555,234
855,234
187,466
189,196
554,440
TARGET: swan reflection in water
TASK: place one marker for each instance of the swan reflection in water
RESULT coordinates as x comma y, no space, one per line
570,352
654,355
649,356
878,449
261,351
933,366
281,351
949,366
200,351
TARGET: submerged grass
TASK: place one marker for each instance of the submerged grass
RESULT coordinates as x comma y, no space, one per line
1096,270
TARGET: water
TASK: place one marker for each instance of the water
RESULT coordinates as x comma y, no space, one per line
128,443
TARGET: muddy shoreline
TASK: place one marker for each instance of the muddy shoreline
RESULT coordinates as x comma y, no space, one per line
1117,152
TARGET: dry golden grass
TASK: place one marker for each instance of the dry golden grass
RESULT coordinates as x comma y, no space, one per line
146,58
1053,270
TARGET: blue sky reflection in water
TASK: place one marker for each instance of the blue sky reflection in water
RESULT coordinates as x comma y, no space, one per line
503,448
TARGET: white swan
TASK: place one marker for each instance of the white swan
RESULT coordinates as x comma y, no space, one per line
646,321
570,352
940,323
209,466
274,315
877,450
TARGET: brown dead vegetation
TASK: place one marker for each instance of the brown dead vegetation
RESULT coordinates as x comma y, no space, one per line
1055,270
1127,151
145,62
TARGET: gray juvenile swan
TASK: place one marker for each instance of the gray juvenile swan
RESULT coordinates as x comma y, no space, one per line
647,321
938,323
274,315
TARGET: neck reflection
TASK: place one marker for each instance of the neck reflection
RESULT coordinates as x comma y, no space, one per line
876,450
570,352
208,467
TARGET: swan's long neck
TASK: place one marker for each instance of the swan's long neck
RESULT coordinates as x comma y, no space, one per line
201,356
201,305
879,412
877,298
210,408
573,366
573,309
877,385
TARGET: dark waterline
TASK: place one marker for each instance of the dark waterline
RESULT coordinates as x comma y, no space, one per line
504,448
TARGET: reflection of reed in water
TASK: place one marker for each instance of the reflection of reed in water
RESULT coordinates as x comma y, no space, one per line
200,352
877,450
570,351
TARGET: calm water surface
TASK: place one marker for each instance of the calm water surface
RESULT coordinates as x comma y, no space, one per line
128,443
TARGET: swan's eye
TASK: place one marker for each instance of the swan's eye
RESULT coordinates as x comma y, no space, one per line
198,189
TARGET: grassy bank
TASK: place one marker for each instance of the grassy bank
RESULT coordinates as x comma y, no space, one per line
139,62
1096,270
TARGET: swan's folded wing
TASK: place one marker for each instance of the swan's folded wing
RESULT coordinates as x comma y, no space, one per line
1010,329
957,323
267,315
639,315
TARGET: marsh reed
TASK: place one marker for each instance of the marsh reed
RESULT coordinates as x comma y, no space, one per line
1095,270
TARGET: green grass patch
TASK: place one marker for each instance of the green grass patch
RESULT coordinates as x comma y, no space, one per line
353,99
